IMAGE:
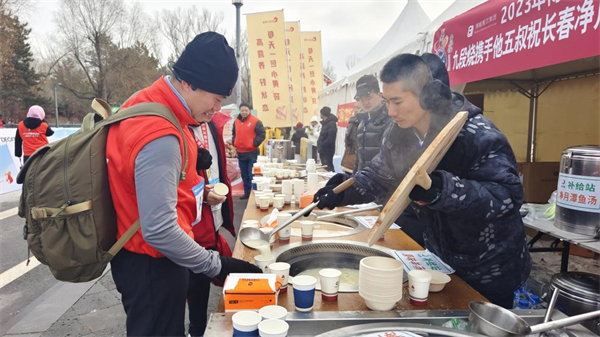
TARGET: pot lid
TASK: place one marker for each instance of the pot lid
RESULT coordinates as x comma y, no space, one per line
586,151
579,284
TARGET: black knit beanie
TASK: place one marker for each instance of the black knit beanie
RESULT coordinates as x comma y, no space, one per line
208,63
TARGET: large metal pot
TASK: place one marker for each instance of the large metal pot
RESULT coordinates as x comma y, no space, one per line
579,293
280,149
492,320
578,199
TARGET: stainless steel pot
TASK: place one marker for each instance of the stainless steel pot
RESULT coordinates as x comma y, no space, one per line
492,320
280,149
580,164
579,293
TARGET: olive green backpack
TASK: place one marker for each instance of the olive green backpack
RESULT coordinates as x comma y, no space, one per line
70,219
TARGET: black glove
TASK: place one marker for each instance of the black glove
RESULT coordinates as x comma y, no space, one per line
231,265
325,196
419,194
204,160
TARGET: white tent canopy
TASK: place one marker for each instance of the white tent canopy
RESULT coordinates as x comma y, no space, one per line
412,32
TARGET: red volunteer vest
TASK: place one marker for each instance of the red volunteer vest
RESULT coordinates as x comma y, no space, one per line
33,139
245,134
126,139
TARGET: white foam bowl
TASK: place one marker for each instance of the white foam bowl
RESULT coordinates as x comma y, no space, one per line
438,281
380,265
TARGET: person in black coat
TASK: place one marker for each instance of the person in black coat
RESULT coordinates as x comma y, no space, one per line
470,214
298,135
326,142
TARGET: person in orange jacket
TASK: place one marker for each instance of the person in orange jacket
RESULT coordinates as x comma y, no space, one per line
32,133
149,181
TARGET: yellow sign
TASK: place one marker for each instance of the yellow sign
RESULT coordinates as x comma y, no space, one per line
292,32
312,72
269,68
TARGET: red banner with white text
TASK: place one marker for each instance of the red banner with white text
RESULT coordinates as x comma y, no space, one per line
501,37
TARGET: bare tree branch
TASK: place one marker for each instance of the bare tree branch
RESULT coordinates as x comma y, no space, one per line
351,61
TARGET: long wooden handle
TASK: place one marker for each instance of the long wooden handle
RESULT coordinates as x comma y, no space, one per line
344,186
423,179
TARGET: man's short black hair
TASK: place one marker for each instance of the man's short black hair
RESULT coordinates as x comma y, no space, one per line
247,105
326,111
410,69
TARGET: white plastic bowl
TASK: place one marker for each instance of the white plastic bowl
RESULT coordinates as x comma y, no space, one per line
380,306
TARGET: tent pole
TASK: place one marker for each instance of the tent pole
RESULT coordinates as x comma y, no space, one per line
532,123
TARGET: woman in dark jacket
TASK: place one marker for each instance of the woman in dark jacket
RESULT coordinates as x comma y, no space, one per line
298,134
326,142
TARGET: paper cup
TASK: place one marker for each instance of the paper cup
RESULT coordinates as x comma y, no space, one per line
283,270
284,234
264,203
245,323
273,328
307,229
418,286
278,203
273,312
304,292
250,223
221,189
263,263
312,181
286,190
330,283
257,195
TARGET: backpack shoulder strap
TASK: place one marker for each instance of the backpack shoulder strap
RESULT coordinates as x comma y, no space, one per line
153,109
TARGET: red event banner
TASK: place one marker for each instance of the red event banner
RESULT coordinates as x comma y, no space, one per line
345,111
501,37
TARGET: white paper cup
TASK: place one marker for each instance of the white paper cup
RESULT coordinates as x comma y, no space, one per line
273,312
283,270
264,203
221,189
260,185
418,286
286,190
273,328
298,188
257,195
285,233
304,292
245,323
307,229
278,203
312,181
263,263
330,283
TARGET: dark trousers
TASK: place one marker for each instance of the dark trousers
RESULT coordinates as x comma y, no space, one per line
198,292
153,292
246,161
327,160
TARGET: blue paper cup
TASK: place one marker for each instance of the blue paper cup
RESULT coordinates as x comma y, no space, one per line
245,323
304,292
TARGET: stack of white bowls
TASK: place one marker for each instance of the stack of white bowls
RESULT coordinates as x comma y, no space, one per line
380,282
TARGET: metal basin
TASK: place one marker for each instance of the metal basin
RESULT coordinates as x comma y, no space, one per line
338,226
352,323
328,254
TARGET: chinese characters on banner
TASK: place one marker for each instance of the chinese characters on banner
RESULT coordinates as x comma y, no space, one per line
269,68
312,72
345,111
578,192
292,35
504,37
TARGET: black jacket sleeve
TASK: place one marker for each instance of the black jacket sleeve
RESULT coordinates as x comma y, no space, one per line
259,129
233,134
18,145
49,131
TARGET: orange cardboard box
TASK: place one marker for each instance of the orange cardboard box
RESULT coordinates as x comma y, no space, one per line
250,291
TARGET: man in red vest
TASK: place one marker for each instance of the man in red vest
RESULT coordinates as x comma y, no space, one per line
32,133
145,163
248,134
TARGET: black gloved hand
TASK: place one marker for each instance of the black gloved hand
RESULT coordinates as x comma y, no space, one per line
325,196
423,196
204,160
232,265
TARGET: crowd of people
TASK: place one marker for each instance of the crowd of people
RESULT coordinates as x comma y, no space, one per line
179,251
